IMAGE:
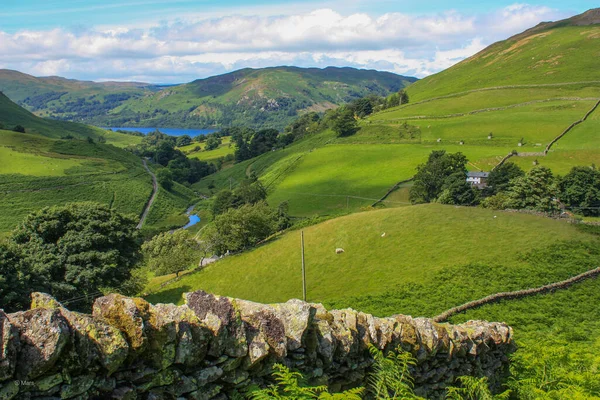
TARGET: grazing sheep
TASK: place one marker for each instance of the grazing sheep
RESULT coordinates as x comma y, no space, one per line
339,250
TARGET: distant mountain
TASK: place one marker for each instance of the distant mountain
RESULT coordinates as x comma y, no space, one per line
267,97
549,53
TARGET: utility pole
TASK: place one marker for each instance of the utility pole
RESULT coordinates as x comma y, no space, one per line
347,202
229,183
303,267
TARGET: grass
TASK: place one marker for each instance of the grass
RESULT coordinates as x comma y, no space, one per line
325,175
420,242
499,98
168,210
40,169
538,124
11,115
544,57
321,180
223,150
578,147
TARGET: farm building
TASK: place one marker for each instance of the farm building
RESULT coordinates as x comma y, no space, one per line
478,179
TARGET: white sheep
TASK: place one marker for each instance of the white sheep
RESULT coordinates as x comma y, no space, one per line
339,250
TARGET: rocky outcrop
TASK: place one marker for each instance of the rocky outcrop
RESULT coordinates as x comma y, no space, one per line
213,345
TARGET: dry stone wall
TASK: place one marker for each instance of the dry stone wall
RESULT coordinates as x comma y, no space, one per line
212,345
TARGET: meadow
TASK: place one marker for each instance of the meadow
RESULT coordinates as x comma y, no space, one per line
543,57
411,251
326,175
223,150
38,171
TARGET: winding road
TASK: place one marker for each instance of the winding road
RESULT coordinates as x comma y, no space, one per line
152,198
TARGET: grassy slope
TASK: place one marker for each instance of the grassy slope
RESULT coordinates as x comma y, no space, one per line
43,172
550,56
419,242
11,115
39,171
433,258
325,175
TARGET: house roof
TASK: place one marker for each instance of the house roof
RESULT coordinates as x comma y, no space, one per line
478,174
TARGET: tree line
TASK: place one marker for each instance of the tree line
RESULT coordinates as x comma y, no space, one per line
442,179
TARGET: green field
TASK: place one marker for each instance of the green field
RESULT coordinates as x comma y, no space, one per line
323,174
419,242
39,169
224,149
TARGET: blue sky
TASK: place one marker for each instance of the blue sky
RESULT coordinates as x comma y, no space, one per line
182,40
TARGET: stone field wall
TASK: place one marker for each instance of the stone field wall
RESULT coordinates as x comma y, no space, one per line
212,345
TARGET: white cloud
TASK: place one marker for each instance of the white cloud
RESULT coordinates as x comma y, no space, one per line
184,50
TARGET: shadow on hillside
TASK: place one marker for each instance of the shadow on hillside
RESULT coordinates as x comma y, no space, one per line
169,295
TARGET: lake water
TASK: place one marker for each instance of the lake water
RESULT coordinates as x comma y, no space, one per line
168,131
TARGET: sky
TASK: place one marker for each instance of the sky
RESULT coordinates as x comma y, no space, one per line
182,40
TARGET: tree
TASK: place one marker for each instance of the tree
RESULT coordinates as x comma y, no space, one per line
344,123
240,228
242,151
305,124
499,178
165,152
223,201
183,140
263,141
580,190
212,143
534,191
362,107
13,293
431,176
75,250
165,178
456,190
403,97
19,128
250,191
393,100
171,253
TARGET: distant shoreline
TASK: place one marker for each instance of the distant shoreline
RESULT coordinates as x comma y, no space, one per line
168,131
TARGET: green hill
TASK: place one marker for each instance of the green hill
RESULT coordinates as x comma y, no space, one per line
412,250
523,109
12,115
40,169
268,97
552,53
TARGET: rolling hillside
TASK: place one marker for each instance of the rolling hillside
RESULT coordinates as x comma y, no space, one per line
560,54
268,97
42,168
455,110
12,115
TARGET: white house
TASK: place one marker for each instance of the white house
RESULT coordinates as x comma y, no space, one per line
478,179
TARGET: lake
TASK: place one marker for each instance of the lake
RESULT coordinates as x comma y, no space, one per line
168,131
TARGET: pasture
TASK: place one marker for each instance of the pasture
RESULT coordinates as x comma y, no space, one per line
419,242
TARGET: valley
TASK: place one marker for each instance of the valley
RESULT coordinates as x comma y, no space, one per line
368,167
